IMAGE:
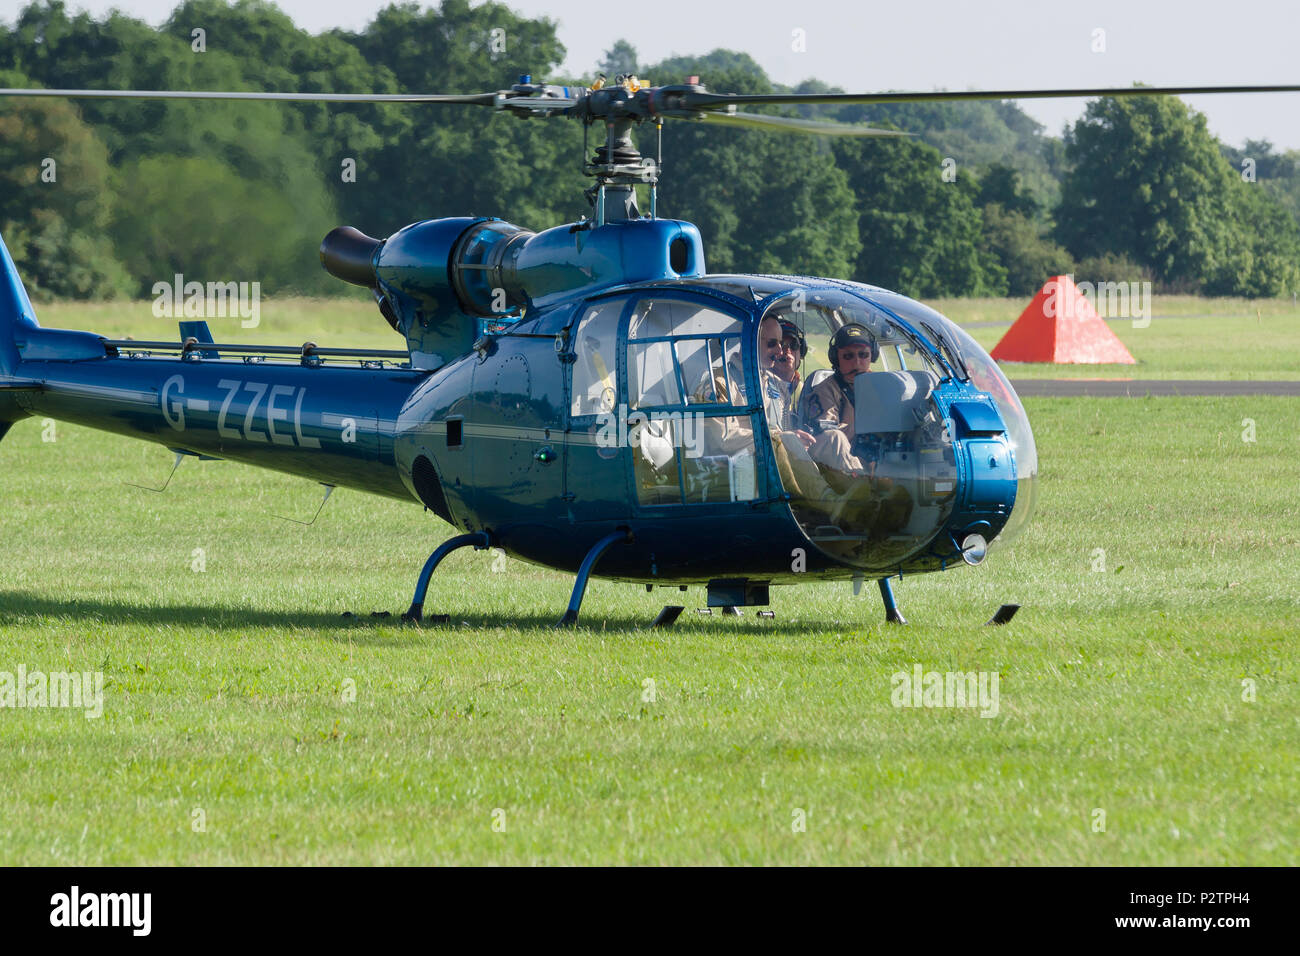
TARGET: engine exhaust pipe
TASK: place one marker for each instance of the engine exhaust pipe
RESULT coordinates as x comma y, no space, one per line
348,254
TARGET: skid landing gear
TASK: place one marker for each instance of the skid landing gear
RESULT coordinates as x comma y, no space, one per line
668,616
1003,614
580,583
479,540
892,614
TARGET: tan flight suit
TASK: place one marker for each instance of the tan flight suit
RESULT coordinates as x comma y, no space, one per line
800,475
828,402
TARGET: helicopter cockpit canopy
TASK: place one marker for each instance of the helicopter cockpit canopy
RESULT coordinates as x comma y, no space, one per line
860,444
834,387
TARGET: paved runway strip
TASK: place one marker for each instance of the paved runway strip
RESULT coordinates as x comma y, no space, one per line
1140,388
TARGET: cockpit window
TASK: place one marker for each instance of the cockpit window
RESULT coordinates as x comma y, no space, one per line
651,375
595,386
708,367
661,318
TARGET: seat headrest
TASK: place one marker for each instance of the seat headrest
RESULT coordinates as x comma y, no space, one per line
891,401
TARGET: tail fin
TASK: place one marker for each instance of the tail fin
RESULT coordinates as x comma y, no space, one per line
16,317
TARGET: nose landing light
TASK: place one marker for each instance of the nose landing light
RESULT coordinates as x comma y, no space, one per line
974,549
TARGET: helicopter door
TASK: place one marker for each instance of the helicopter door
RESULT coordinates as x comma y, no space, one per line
595,477
690,428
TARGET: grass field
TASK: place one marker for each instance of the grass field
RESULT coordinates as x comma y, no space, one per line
246,721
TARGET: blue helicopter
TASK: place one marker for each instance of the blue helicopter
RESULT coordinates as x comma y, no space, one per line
588,398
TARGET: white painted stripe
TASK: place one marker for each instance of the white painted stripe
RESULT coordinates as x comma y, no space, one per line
196,404
366,424
508,432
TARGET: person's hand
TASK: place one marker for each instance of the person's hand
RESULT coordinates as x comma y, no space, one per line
804,437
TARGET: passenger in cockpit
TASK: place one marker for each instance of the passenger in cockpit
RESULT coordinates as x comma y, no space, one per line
799,474
785,366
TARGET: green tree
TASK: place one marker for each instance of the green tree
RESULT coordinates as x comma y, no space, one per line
620,58
455,161
1265,164
1000,184
199,217
723,71
1267,256
1148,181
1110,267
975,134
1277,174
55,199
764,202
275,55
262,144
1012,239
921,234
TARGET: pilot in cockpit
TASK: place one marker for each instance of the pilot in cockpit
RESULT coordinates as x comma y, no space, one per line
827,410
826,406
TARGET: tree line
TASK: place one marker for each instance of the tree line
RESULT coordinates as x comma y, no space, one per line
102,198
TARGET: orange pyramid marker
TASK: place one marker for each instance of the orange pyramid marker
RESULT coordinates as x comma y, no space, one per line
1061,326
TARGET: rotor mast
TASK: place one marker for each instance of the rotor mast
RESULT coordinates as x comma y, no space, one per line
617,165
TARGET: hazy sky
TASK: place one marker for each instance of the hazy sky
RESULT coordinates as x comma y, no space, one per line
864,46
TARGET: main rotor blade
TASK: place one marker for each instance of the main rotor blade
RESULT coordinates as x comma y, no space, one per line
539,103
473,99
794,124
718,100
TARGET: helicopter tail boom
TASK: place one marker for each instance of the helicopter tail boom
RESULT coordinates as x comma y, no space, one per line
329,423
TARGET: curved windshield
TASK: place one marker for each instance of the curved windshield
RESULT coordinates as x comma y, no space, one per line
860,445
987,377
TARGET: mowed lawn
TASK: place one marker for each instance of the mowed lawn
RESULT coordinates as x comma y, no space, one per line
1147,714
